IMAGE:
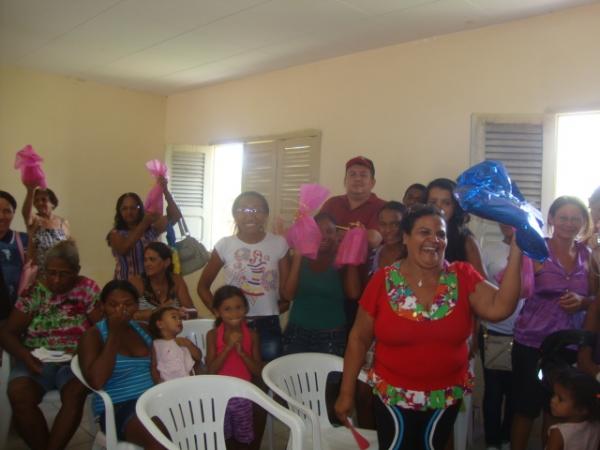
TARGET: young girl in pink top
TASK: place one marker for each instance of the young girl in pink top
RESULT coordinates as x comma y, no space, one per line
172,356
233,349
576,403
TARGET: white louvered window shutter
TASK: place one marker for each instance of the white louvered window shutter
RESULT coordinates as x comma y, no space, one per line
276,168
188,185
259,169
517,142
520,147
298,164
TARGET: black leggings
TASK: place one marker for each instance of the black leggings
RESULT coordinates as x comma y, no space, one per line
399,428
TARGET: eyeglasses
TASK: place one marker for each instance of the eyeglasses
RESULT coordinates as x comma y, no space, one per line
250,211
61,274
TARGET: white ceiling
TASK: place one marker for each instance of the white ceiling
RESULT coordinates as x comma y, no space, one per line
166,46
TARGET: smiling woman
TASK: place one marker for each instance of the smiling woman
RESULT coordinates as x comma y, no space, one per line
562,294
420,312
158,285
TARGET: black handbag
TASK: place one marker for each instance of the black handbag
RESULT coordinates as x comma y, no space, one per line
193,255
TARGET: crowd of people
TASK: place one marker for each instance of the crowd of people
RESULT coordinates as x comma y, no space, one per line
413,315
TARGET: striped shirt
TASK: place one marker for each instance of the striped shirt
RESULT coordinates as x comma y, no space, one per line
132,263
131,375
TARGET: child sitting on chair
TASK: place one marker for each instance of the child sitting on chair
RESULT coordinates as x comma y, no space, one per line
233,349
172,356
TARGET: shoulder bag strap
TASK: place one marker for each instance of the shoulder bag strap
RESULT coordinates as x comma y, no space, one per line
20,246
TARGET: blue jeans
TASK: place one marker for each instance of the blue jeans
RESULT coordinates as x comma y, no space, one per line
299,340
53,376
269,334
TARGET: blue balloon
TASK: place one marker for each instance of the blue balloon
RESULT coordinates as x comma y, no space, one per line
485,190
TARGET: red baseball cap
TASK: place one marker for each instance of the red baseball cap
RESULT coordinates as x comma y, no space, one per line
361,161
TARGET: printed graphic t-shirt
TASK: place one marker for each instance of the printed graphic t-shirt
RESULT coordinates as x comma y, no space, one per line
254,268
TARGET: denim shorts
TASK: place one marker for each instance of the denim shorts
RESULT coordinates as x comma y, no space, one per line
299,340
269,333
53,376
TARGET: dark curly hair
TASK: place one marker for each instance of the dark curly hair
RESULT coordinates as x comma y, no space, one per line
119,221
118,285
584,389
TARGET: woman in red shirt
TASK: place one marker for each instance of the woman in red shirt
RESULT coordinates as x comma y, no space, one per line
420,310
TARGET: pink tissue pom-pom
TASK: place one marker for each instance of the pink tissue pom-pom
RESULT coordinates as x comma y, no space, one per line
30,164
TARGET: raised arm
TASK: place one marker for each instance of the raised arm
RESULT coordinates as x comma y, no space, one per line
173,212
207,278
494,304
359,341
27,209
123,244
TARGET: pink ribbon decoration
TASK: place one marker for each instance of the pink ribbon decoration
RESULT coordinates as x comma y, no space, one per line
30,164
154,199
304,235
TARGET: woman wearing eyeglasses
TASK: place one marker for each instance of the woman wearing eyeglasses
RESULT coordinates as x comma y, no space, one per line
134,229
256,261
53,314
562,293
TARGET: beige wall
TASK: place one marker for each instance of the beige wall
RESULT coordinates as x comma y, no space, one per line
408,106
94,139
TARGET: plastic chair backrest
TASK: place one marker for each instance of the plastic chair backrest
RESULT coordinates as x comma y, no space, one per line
302,378
195,330
192,409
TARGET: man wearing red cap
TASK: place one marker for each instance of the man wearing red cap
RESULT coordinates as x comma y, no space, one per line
359,206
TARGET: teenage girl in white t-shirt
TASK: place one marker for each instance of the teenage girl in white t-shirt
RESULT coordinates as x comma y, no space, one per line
256,261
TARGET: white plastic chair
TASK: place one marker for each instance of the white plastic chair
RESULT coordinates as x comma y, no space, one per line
192,409
195,330
301,379
108,440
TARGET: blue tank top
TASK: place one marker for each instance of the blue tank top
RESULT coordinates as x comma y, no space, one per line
131,375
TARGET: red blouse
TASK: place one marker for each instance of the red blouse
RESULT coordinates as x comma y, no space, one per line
422,355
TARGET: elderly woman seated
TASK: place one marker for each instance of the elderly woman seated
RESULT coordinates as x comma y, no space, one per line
52,314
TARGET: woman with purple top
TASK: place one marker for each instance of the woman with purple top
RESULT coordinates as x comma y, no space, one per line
589,357
560,298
